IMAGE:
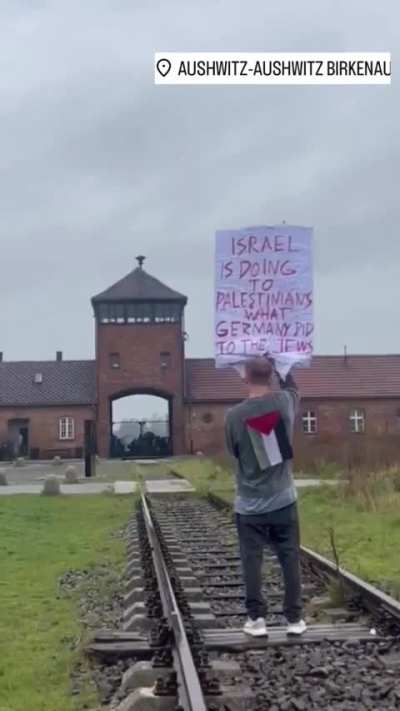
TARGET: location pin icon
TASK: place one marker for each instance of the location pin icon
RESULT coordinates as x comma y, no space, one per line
163,67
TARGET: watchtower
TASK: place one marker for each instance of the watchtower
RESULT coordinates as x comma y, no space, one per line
139,349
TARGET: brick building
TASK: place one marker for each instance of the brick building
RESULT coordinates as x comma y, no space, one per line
350,405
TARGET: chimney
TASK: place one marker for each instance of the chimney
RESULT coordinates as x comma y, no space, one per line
1,356
59,356
345,355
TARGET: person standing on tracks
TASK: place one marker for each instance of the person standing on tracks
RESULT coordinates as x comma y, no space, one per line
259,433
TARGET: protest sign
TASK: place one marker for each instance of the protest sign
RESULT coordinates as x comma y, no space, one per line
264,295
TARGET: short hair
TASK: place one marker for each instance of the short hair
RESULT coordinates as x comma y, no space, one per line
258,371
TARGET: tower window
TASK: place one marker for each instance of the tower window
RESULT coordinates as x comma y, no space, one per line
166,313
66,427
116,313
115,361
139,313
112,313
103,313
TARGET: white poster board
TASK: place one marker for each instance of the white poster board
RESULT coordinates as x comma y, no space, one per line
264,295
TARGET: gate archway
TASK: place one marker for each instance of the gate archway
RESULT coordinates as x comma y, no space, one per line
141,425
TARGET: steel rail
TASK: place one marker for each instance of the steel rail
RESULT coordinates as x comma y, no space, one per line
190,693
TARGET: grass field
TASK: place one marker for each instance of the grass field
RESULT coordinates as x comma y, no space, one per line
367,541
41,539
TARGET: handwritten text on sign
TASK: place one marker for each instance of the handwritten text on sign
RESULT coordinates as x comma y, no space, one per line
264,299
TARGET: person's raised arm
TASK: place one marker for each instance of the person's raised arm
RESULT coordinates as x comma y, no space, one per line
288,385
229,441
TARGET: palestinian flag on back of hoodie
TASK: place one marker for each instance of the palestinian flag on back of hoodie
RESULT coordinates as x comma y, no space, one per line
269,439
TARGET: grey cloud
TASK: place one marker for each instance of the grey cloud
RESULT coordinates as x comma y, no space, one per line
98,164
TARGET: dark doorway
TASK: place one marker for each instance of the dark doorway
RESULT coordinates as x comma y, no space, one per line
90,448
147,434
18,437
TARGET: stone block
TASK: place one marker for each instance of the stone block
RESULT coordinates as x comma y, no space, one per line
188,580
138,623
51,487
200,607
142,674
134,595
144,699
71,475
138,608
134,581
134,567
19,462
193,594
204,620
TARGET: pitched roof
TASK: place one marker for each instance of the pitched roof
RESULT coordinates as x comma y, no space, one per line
206,382
359,376
138,285
67,382
73,382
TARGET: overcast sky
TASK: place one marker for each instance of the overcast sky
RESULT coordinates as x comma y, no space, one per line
98,164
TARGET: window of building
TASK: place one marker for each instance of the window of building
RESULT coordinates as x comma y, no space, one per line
103,313
139,313
67,428
309,420
116,313
165,360
115,361
111,313
167,312
357,421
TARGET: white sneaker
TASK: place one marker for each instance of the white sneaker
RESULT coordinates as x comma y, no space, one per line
296,627
256,628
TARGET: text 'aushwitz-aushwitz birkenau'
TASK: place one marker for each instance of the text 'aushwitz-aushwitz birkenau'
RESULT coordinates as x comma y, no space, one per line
272,68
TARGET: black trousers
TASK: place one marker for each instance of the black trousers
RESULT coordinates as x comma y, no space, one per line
280,530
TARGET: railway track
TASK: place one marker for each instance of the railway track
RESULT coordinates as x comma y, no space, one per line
181,642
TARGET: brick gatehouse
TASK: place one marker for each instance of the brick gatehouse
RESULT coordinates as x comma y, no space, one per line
350,404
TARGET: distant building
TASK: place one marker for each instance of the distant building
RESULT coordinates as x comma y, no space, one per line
350,406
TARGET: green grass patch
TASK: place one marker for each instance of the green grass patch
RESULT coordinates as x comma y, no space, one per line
206,475
116,470
367,541
42,538
321,469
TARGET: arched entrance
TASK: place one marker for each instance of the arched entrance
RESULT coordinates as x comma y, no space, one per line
141,425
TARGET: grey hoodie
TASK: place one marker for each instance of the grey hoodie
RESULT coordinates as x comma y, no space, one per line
260,490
